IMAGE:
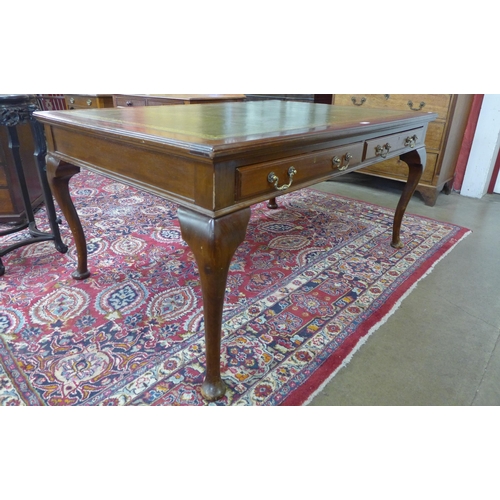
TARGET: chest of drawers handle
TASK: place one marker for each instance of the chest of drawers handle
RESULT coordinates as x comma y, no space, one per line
410,105
354,101
89,102
273,179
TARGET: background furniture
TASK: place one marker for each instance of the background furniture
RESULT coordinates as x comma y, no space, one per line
318,98
130,100
12,207
443,141
88,101
16,113
49,102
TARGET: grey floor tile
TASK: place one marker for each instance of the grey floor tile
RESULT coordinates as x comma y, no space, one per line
441,346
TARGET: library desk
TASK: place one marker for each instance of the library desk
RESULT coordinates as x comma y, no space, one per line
217,160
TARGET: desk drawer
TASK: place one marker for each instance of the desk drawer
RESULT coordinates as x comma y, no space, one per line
128,102
385,146
255,179
398,169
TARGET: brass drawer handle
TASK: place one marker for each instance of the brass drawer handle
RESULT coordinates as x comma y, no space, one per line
410,142
273,179
337,162
383,151
410,105
89,102
354,101
129,103
72,100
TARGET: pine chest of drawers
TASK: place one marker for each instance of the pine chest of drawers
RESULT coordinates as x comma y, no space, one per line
443,141
88,101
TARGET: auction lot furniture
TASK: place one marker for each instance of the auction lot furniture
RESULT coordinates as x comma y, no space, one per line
443,141
22,166
130,100
216,161
88,101
12,207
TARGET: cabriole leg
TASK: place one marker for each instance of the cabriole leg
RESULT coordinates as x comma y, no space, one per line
59,174
213,243
416,162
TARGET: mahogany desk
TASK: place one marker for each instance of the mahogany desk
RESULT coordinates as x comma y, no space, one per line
216,161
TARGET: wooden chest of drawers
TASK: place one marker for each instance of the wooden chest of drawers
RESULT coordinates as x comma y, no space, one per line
135,100
443,141
12,208
88,101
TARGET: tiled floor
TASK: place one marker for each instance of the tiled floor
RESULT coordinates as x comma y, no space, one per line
441,347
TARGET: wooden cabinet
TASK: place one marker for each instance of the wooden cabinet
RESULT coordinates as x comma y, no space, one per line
12,208
136,100
281,97
443,140
318,98
88,101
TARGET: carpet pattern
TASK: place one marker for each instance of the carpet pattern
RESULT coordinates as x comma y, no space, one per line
311,280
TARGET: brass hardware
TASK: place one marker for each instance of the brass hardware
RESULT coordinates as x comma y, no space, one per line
410,105
410,142
383,151
354,101
89,102
72,100
129,103
387,96
272,178
337,162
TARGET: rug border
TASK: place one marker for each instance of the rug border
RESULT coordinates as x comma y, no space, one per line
304,394
307,391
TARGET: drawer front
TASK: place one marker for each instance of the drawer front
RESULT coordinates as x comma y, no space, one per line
128,102
387,145
6,207
435,103
397,169
81,102
164,102
258,179
435,136
3,176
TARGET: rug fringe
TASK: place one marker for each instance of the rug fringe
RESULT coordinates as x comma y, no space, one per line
384,320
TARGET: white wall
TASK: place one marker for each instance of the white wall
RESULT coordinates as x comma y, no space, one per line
484,150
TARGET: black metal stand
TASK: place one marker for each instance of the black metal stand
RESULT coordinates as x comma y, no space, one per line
14,110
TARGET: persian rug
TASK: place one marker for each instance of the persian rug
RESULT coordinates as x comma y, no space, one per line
311,281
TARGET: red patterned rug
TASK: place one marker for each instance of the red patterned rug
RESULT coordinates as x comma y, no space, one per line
311,281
